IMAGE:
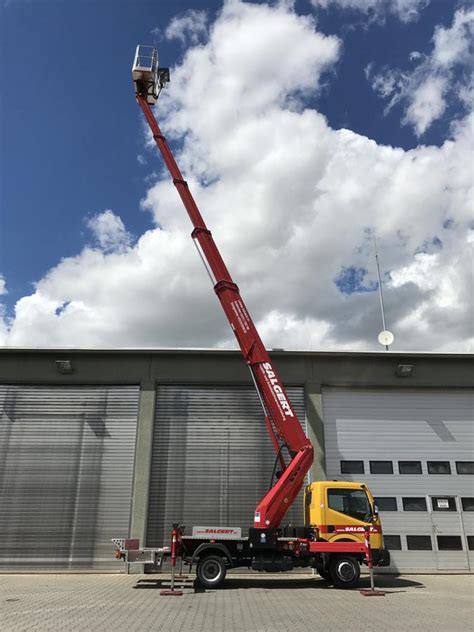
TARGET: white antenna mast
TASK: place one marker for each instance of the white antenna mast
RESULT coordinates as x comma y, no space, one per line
385,337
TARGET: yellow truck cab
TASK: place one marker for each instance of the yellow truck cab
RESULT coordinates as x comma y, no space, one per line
340,511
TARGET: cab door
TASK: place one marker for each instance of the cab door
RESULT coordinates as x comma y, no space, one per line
348,513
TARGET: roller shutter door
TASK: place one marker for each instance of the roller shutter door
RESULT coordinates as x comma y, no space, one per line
66,470
421,436
212,458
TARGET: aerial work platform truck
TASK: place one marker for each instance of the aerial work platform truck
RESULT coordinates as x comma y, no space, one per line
342,528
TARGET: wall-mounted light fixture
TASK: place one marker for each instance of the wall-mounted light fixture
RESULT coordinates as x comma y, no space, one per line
404,370
64,366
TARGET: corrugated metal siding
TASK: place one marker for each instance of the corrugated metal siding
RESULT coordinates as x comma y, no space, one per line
422,425
212,458
66,471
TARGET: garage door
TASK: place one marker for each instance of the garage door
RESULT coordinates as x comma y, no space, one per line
66,469
415,451
212,458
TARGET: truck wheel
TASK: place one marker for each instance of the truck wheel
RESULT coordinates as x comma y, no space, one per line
325,575
344,571
211,571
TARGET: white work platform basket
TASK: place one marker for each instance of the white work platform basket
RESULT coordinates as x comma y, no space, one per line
147,76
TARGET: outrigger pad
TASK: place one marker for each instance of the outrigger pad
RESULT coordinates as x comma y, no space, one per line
372,593
171,593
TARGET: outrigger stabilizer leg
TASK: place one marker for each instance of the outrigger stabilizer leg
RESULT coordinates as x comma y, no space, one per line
172,592
368,555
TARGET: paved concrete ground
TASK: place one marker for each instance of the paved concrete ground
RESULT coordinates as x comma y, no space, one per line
250,603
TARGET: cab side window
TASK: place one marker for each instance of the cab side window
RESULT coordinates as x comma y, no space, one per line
352,502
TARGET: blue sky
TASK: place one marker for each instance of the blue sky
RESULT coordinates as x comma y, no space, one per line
71,135
71,130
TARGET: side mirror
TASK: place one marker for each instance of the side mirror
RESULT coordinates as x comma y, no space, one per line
375,514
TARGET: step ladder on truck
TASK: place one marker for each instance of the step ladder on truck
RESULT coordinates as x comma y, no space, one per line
342,527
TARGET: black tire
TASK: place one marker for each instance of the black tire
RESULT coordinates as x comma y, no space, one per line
211,571
325,575
344,571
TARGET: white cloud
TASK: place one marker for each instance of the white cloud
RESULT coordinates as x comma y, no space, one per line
109,231
448,301
421,272
3,317
157,34
290,202
427,103
190,27
405,10
4,330
425,90
451,45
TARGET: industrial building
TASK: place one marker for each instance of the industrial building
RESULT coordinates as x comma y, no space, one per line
96,444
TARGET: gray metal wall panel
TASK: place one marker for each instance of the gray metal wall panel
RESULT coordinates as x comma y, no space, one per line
66,470
409,425
212,458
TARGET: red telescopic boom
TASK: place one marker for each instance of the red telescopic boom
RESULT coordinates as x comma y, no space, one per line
281,419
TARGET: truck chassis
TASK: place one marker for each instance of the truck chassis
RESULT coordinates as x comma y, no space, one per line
215,550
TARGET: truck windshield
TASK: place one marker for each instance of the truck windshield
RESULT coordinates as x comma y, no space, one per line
352,502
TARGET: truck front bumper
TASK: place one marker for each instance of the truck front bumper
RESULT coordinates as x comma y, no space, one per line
381,557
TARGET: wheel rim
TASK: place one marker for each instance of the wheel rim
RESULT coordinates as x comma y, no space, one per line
211,571
346,571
